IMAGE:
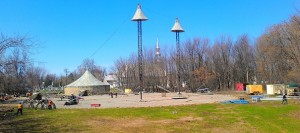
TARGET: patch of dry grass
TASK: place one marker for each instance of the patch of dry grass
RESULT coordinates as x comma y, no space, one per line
225,118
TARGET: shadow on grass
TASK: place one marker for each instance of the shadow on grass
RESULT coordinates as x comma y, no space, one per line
10,123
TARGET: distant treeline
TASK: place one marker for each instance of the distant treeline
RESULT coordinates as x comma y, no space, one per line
273,58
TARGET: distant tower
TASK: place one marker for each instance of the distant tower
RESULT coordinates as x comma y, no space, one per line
139,17
177,29
157,52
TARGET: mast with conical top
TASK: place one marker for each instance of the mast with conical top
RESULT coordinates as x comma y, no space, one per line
177,29
139,17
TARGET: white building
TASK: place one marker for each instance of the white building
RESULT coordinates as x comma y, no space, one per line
112,80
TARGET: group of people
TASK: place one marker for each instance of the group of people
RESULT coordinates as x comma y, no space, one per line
50,105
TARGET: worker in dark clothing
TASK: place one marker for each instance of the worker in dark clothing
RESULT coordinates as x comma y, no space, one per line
73,96
284,99
20,109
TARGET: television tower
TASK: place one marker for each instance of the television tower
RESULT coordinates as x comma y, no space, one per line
139,17
177,29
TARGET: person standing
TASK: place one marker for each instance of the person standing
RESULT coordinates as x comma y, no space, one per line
20,109
49,104
73,96
284,99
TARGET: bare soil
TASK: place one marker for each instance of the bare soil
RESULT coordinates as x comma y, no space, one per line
148,100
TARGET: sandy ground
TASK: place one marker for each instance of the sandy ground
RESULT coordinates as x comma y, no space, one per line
149,100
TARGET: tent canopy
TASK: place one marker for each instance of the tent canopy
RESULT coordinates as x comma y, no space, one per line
87,79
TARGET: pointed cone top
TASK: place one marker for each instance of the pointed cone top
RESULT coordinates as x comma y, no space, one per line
87,79
177,27
157,46
139,15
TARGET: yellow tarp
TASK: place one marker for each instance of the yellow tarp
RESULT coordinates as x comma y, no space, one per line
127,91
254,88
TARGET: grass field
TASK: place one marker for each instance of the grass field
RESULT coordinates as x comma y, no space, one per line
262,117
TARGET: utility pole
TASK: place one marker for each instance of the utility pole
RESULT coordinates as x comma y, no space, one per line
139,17
66,71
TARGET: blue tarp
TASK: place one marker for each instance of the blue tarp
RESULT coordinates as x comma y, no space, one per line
257,96
236,102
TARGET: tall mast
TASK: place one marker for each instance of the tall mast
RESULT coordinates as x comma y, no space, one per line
139,17
177,29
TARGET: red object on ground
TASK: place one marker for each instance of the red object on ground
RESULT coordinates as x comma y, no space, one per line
95,105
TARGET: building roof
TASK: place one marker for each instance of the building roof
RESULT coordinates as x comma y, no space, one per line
87,79
110,78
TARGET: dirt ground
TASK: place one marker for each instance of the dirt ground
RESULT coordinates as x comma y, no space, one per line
149,100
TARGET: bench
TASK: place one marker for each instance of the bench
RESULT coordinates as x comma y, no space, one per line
95,105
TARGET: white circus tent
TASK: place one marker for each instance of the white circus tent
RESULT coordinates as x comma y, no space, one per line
87,84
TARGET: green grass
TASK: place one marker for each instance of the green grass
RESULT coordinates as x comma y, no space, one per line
266,117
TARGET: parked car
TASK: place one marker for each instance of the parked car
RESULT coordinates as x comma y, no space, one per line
203,90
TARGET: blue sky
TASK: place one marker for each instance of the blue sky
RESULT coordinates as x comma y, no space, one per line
69,31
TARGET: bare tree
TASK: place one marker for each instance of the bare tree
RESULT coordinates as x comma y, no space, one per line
278,52
35,76
13,63
193,57
222,62
89,64
244,69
